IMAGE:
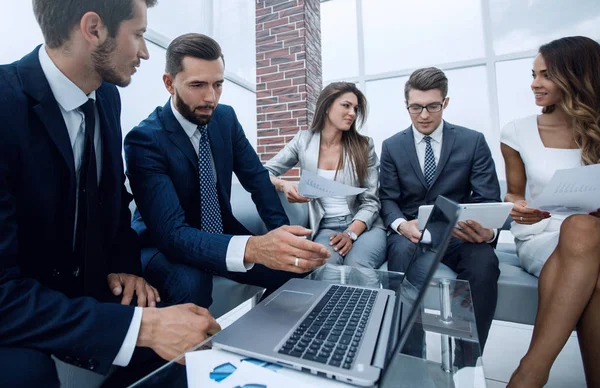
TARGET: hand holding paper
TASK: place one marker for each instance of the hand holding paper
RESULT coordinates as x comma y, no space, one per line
314,186
575,190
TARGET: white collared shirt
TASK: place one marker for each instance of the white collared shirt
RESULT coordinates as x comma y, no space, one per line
69,98
234,258
436,144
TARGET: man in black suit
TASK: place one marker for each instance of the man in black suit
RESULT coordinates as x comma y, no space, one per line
430,158
180,162
68,255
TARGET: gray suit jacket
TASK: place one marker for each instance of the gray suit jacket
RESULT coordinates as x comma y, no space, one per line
304,148
465,173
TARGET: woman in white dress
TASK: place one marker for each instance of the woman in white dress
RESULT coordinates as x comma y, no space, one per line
564,251
349,226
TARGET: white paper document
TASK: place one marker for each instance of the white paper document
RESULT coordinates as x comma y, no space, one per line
314,186
222,369
575,190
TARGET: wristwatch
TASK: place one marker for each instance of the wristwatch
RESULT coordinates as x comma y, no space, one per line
351,234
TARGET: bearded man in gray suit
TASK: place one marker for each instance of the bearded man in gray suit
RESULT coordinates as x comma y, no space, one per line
433,157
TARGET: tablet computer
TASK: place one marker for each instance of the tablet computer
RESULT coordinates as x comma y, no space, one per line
488,215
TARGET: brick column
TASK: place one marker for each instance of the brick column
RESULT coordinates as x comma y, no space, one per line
288,71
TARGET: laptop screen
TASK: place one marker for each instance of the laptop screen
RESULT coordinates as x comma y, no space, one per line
428,253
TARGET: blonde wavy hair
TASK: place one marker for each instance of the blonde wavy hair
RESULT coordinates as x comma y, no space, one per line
573,63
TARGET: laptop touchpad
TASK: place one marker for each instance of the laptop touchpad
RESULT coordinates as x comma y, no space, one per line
290,301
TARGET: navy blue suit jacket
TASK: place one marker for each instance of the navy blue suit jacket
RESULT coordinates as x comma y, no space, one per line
39,306
162,167
465,173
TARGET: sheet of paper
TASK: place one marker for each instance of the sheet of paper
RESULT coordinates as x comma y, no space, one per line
314,186
218,368
575,190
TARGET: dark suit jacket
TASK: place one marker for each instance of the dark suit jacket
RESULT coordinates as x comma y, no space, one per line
162,167
465,173
40,306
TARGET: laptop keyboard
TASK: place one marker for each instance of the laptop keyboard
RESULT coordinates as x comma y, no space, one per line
332,333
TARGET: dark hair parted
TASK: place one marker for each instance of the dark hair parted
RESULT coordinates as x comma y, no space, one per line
428,78
57,18
573,63
355,147
191,45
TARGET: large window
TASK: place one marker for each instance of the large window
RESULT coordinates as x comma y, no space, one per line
230,22
485,47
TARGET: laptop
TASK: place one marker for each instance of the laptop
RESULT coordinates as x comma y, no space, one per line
346,333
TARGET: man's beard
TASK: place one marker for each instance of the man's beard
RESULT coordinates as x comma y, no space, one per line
101,60
187,111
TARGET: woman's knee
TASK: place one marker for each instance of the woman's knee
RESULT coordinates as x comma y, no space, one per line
580,234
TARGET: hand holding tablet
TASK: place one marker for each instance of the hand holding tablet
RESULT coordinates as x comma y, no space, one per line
489,215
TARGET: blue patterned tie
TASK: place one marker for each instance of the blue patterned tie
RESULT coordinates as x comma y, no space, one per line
210,212
429,167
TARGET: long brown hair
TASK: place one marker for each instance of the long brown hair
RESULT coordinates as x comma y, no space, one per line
354,145
573,63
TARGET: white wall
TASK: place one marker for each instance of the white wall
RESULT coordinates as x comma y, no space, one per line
485,47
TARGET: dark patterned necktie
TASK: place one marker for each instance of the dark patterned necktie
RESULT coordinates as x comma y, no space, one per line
210,212
86,233
429,166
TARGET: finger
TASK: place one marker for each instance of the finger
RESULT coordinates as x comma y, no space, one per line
128,291
141,292
156,294
344,251
115,284
150,297
340,244
297,230
335,238
304,265
469,230
462,235
315,250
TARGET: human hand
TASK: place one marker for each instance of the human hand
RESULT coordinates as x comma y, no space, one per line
170,331
127,285
527,216
410,230
342,242
472,232
291,193
284,249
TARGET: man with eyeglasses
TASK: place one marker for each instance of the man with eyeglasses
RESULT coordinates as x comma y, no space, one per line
430,158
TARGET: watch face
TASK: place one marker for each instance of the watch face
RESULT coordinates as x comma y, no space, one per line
352,235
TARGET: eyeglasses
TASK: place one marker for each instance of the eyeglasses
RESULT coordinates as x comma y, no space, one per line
431,108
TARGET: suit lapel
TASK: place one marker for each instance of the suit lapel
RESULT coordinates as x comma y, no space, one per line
36,85
408,143
447,144
178,135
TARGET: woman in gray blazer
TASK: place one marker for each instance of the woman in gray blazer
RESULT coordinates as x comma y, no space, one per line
349,226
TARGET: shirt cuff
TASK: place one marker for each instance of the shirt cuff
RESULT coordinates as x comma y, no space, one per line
126,351
396,224
234,259
493,236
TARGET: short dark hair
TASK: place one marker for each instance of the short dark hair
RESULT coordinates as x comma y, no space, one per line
428,78
58,17
191,45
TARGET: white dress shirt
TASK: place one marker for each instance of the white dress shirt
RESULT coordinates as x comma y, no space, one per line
70,98
234,258
436,146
